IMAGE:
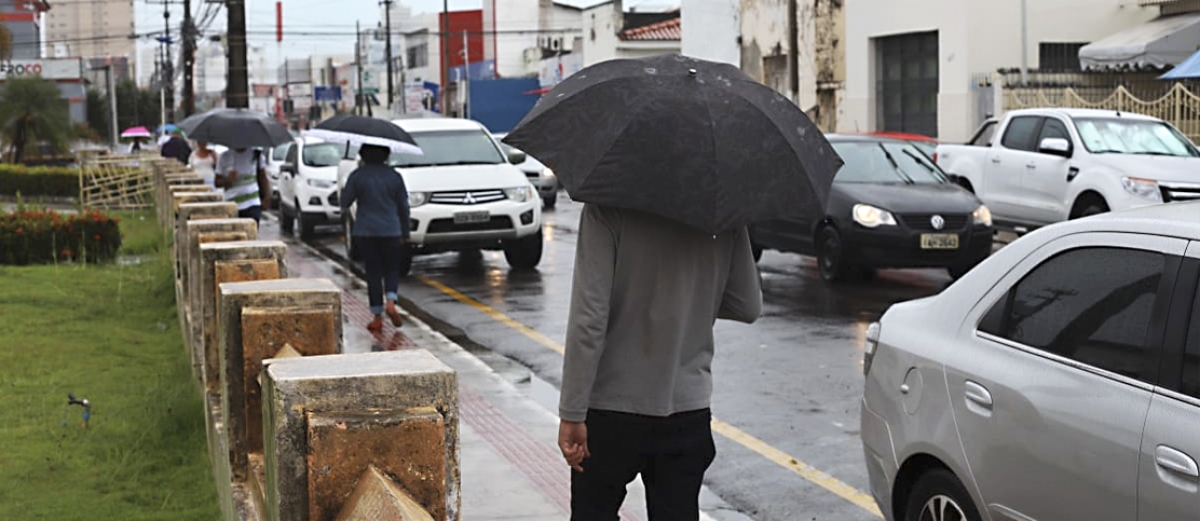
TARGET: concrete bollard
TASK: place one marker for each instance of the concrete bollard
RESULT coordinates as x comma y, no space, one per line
163,198
196,211
222,262
263,320
329,419
204,231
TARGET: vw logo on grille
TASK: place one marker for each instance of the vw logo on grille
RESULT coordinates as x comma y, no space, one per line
469,198
938,222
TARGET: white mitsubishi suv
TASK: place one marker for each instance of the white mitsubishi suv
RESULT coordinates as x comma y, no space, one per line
464,193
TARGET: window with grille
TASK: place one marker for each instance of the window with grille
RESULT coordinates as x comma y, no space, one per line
1059,57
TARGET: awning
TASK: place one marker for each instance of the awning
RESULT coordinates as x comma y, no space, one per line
1156,44
1190,68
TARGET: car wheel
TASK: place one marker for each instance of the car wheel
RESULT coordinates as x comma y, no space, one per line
348,240
406,259
1094,208
868,274
306,224
287,221
939,496
756,251
830,256
550,202
524,253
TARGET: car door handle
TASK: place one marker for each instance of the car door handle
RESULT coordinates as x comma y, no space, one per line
1031,166
1176,461
978,395
996,160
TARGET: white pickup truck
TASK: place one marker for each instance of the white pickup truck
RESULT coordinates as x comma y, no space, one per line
1042,166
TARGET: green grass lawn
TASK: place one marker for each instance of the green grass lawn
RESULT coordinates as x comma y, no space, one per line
108,334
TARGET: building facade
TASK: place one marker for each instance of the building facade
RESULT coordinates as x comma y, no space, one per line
609,32
519,34
90,29
22,18
920,66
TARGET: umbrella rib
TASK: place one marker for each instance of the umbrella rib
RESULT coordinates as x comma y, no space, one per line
807,178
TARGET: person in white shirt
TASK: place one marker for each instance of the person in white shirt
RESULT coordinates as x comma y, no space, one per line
204,162
240,172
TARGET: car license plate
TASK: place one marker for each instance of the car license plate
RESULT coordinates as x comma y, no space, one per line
939,241
475,217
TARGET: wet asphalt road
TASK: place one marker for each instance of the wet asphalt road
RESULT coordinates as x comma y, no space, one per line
793,379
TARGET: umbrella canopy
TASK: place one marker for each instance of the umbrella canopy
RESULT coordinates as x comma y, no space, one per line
692,140
168,128
360,130
236,128
1188,70
136,132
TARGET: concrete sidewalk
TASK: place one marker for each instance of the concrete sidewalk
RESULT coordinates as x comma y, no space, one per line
511,466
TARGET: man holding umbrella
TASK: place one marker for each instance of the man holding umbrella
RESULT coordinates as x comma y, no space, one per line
240,170
693,152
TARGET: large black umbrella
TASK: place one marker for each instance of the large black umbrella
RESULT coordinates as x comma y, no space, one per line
236,128
692,140
360,130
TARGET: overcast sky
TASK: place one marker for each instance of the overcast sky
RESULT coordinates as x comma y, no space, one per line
309,16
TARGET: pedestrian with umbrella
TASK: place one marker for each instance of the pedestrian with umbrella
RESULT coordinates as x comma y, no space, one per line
673,157
382,224
136,134
240,169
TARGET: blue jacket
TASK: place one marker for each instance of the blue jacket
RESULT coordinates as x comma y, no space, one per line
382,202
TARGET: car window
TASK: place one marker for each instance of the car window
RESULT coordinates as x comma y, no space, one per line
983,138
1129,136
1019,134
885,162
322,154
457,147
1191,356
280,152
1053,128
291,155
1092,305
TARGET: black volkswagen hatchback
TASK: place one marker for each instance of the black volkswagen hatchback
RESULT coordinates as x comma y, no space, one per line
890,207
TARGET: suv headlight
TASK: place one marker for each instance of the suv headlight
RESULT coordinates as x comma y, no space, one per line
1144,188
872,217
416,199
548,172
520,194
982,216
320,183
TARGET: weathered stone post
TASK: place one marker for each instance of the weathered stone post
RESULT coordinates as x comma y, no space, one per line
199,232
263,320
221,262
195,211
346,435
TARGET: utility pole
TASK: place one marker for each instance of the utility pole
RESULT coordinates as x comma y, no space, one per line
466,77
237,93
358,64
189,60
168,78
112,104
793,65
445,39
391,96
1024,45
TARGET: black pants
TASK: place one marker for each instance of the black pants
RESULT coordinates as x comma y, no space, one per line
670,453
253,212
381,257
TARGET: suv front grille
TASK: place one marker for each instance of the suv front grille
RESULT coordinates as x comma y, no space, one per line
497,222
1179,192
923,221
467,197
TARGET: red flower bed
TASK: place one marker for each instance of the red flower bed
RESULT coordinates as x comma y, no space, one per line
38,236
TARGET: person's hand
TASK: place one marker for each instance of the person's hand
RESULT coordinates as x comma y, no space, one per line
572,441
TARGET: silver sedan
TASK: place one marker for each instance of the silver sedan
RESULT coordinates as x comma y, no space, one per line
1059,380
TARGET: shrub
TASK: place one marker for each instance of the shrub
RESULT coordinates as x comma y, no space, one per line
39,181
40,236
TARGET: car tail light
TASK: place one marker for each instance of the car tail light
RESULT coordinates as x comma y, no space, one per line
872,342
935,157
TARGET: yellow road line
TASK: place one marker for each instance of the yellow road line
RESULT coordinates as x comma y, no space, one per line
804,470
496,315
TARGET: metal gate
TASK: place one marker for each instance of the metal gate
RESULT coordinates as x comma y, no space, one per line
907,88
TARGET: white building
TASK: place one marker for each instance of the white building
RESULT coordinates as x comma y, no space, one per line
523,32
712,30
914,66
608,36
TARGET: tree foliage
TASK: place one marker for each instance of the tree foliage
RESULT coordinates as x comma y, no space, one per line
135,107
34,118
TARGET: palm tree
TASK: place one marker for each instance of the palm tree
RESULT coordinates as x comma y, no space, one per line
6,43
33,114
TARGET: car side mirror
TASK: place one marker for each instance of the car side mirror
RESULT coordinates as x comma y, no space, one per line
1055,146
517,157
288,168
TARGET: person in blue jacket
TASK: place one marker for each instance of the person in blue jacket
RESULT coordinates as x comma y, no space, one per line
381,228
